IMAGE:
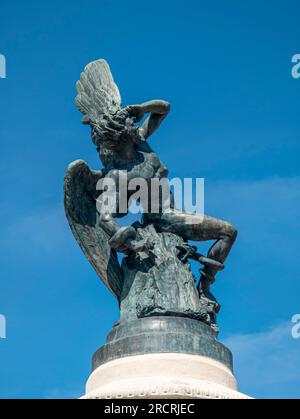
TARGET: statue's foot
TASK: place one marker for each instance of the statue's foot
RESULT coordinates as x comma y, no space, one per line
207,277
203,288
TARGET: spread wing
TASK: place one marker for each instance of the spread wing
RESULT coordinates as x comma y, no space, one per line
97,93
80,207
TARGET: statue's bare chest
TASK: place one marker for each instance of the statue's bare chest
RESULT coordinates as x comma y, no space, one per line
146,166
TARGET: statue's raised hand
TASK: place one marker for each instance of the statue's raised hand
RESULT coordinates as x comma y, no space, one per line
136,111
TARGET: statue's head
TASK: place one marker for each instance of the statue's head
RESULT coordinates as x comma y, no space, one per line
112,133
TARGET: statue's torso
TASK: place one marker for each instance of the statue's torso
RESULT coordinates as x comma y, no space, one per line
146,165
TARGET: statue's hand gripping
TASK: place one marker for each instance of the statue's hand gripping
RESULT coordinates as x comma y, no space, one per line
158,109
136,111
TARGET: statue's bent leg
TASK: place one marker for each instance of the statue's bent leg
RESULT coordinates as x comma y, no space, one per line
121,239
198,228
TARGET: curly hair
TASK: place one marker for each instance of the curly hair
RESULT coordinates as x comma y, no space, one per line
112,132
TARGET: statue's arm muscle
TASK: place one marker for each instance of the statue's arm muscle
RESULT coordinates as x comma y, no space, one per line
159,109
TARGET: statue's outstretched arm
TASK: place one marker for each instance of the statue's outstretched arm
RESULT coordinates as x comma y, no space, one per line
159,109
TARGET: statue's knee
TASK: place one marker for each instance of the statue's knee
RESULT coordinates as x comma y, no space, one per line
104,218
231,231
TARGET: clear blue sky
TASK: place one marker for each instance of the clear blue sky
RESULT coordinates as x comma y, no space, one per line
226,69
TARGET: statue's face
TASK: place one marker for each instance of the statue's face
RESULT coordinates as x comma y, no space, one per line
131,131
129,123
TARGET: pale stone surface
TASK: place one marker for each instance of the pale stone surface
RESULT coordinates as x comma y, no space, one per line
167,376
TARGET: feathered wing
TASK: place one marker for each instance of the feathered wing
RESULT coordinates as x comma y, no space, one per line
97,93
82,215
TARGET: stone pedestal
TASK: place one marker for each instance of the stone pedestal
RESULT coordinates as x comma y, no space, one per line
162,358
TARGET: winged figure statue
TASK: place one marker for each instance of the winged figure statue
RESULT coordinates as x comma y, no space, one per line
120,135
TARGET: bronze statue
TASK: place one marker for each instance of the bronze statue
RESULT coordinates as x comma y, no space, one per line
122,144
